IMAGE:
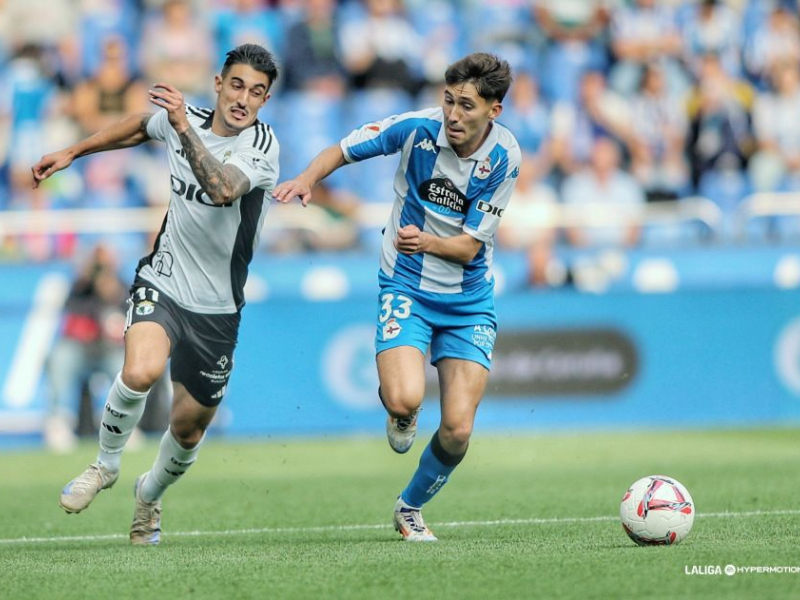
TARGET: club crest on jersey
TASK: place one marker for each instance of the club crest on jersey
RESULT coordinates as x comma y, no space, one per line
226,156
391,329
223,361
484,168
144,308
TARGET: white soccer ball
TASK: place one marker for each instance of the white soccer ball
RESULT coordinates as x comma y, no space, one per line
657,511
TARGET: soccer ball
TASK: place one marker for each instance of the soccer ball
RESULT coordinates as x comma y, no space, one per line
657,511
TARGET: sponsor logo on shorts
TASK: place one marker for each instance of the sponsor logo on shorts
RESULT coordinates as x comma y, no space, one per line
145,307
391,329
219,394
483,336
223,361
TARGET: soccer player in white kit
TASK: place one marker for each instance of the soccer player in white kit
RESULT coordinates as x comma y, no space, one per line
188,294
457,170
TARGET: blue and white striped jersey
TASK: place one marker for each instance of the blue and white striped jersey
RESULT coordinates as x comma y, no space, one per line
441,194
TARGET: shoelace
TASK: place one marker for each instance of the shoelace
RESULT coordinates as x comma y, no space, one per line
86,481
413,519
404,423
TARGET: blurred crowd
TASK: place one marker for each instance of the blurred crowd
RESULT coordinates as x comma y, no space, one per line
622,102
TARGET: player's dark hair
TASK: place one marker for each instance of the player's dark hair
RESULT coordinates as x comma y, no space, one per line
254,56
490,75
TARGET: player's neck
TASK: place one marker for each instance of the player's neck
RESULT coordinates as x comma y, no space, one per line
469,149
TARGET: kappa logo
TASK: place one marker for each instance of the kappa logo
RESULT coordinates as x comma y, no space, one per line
426,145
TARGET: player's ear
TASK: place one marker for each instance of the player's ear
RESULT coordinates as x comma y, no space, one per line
217,84
497,108
266,97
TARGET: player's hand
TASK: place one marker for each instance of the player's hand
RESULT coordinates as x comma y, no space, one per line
288,190
49,164
170,98
409,240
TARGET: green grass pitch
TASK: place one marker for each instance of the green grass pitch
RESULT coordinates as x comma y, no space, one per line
523,517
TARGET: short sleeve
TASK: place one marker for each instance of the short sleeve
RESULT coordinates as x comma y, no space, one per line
256,154
379,138
158,126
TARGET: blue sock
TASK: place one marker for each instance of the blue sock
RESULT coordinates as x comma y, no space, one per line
435,466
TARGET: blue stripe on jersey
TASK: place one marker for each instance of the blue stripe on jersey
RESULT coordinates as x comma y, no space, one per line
388,142
420,169
483,189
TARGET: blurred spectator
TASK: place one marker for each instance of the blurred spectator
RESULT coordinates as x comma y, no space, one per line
574,31
111,93
313,60
528,116
658,160
28,97
776,40
99,20
329,225
720,139
642,33
607,199
530,224
177,47
776,121
89,352
712,27
599,112
249,22
381,49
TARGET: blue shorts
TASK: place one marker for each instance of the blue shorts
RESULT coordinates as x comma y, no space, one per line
452,325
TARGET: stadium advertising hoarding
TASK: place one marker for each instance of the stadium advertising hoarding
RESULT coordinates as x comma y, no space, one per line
563,360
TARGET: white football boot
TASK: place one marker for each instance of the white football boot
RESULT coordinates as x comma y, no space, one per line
79,493
409,523
401,432
146,526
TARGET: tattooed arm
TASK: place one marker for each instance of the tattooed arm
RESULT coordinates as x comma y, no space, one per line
222,183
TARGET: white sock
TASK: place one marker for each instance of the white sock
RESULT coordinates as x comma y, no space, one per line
172,462
123,410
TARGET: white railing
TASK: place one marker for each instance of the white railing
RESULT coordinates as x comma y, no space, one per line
312,218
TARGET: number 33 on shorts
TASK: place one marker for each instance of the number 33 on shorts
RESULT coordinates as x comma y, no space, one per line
393,309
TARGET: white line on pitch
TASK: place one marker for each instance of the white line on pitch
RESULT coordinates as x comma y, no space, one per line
335,528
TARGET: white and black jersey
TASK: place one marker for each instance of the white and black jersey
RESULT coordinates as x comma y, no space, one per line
201,256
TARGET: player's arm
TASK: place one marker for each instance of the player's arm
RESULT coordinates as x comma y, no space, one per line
128,131
460,249
325,163
222,183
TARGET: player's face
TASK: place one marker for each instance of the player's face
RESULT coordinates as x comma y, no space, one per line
467,117
240,94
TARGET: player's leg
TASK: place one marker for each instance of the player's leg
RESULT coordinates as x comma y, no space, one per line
401,372
462,384
402,337
177,452
147,349
200,369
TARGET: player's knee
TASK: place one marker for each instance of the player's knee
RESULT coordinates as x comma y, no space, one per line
187,435
401,400
455,436
140,377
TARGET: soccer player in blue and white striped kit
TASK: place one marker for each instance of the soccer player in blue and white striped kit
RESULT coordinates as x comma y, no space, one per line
457,170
